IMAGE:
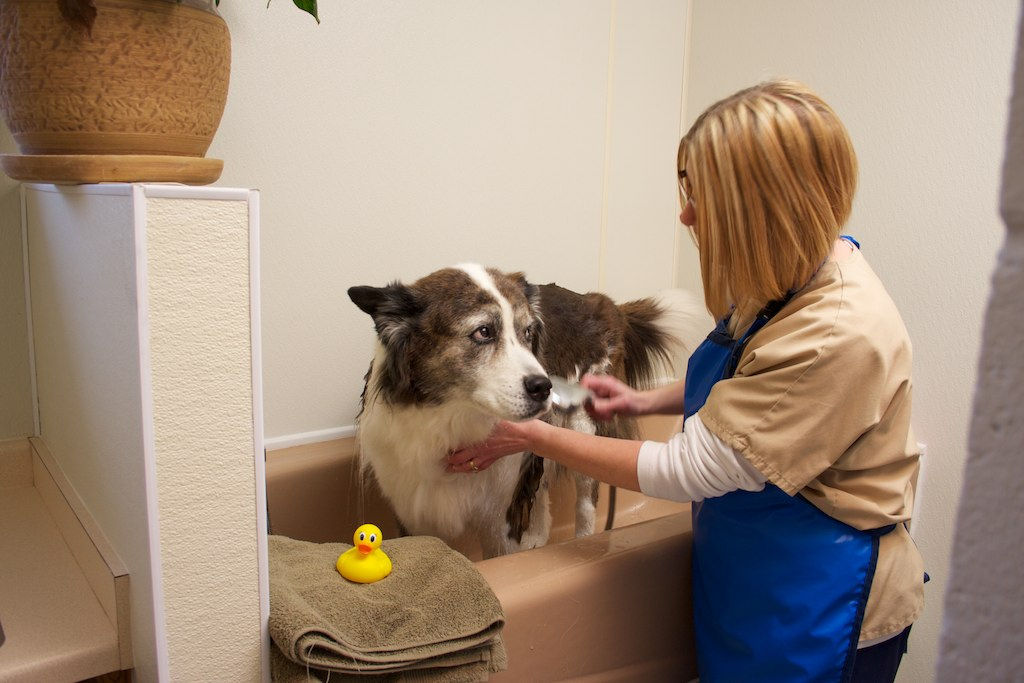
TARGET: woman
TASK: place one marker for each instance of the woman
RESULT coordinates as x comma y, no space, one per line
796,449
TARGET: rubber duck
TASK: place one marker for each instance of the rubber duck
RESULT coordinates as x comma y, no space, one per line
366,562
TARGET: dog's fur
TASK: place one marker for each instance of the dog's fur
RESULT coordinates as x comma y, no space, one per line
464,347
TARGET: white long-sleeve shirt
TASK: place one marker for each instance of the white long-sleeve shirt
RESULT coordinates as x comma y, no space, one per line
693,465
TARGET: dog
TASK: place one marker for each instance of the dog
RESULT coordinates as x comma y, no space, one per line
464,347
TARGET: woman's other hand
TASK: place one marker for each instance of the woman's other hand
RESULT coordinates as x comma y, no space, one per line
506,438
612,397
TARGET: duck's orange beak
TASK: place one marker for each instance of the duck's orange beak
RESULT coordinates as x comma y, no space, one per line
364,549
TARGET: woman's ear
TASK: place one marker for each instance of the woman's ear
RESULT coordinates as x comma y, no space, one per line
688,216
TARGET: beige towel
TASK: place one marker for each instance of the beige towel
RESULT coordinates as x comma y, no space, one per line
433,618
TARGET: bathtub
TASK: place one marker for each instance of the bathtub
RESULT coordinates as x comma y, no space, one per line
614,606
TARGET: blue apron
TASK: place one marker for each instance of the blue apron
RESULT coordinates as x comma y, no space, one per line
779,587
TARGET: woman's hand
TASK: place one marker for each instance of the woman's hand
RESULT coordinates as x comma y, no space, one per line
613,397
506,438
607,459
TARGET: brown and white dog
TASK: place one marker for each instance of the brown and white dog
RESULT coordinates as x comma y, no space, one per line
460,349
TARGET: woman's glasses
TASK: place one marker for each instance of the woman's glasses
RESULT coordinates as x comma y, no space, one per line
685,191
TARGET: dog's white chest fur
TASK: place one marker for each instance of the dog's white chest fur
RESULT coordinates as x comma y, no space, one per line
406,447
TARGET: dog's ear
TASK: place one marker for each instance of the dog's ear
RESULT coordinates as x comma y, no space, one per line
530,291
532,294
395,311
393,308
370,300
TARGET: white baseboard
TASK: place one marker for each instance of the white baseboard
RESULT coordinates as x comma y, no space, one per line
274,443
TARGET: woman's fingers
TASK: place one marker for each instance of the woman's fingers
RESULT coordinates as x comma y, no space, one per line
603,386
471,464
612,397
504,440
459,458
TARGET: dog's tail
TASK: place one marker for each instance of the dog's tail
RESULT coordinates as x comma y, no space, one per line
661,332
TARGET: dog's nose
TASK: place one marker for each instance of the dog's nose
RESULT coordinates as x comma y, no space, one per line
538,387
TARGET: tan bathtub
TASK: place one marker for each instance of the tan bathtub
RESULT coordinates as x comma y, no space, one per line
614,606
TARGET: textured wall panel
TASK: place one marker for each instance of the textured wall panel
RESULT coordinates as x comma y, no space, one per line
198,270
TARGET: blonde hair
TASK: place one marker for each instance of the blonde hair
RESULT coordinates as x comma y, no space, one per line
772,174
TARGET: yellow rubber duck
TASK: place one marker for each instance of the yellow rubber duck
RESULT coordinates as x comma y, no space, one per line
366,562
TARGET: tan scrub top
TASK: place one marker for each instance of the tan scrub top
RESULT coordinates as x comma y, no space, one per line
820,405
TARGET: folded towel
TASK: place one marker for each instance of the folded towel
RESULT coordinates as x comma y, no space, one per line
433,618
284,670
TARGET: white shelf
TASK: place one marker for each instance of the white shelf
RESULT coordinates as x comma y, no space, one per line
55,625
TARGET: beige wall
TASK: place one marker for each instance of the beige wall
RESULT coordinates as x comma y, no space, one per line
396,138
924,89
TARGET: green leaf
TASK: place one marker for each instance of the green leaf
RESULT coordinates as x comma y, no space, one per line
308,6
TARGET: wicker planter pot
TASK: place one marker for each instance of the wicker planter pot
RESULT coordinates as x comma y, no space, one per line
138,100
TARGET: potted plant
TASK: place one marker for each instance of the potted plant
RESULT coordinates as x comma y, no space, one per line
114,90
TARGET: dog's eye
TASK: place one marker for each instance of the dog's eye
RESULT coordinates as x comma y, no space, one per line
482,334
530,333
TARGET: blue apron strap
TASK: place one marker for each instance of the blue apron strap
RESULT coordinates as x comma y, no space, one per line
717,357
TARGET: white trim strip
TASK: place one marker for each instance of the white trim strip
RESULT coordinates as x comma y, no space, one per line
148,437
116,189
262,557
36,427
154,190
919,488
684,100
289,440
609,107
677,228
195,192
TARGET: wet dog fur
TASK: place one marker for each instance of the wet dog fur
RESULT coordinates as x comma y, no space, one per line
464,347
